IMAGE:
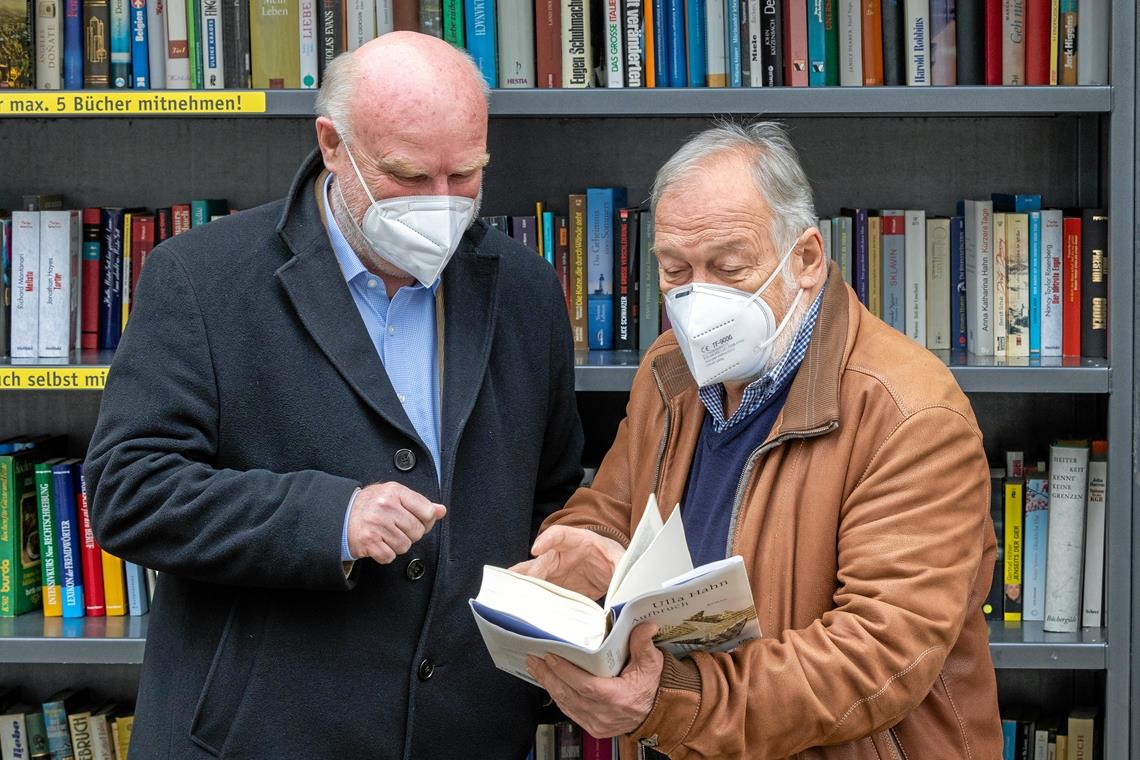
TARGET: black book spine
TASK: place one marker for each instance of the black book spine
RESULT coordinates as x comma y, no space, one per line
970,31
1094,284
894,63
96,44
622,338
745,55
163,224
332,34
771,44
235,38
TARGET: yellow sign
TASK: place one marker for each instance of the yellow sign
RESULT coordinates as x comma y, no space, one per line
53,378
128,103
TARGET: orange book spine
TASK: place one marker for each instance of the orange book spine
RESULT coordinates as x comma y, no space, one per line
872,43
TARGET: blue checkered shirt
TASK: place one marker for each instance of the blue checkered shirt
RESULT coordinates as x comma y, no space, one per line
763,388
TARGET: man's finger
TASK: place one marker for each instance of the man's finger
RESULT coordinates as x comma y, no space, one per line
550,540
539,567
641,649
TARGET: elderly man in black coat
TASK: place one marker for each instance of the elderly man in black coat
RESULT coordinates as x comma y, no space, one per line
318,440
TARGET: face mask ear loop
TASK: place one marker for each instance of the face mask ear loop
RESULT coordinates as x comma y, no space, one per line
787,316
356,169
779,268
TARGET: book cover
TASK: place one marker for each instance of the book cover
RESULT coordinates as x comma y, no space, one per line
817,44
69,538
1092,607
49,540
114,585
943,43
872,42
649,314
1013,42
1094,283
894,269
971,49
875,264
772,43
20,576
16,57
156,42
515,29
332,33
25,284
914,272
482,35
56,709
735,31
60,233
850,43
49,44
795,24
1093,42
709,608
1035,282
577,47
1071,286
1014,544
979,262
1017,285
1068,35
600,215
1037,23
120,44
938,284
716,47
992,607
1068,478
90,555
138,600
177,46
309,42
1001,285
548,40
917,31
275,56
1052,293
1036,526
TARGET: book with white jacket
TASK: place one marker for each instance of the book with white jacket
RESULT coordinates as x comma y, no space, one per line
1068,478
914,276
58,287
25,267
979,277
1092,608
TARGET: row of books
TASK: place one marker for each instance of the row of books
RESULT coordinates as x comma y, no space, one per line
1068,737
1002,278
69,275
69,724
207,44
1050,526
565,740
48,555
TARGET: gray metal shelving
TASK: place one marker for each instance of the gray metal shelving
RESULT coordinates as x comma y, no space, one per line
32,638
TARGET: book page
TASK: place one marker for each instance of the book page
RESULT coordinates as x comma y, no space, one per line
561,613
666,557
647,529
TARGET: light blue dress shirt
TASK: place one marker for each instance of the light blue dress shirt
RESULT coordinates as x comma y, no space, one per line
403,331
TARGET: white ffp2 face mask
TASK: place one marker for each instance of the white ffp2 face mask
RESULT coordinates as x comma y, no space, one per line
416,233
725,334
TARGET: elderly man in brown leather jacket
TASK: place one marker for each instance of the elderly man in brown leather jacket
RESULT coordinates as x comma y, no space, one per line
835,455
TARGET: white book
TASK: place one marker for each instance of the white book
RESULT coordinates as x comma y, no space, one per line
755,35
979,277
577,46
709,608
384,20
715,54
1092,42
850,43
914,276
213,52
824,226
309,43
360,22
1068,471
177,47
58,269
917,33
937,284
1001,284
516,43
612,47
1092,608
1052,269
25,266
545,746
156,41
1013,41
14,737
49,44
1040,744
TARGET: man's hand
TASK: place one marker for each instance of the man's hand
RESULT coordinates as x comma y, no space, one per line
573,558
387,518
605,706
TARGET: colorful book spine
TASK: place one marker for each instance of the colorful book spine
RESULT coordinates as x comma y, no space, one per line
872,42
111,279
1068,34
114,585
70,539
90,554
1013,42
1017,285
49,560
579,324
1068,473
817,44
20,567
138,600
1014,542
660,47
213,52
96,44
120,44
1001,285
600,209
675,44
1094,283
1036,525
695,42
1035,282
894,269
831,42
1037,42
194,37
958,304
875,264
140,52
625,277
943,43
482,35
549,234
56,725
275,55
1071,287
979,234
548,37
1052,293
73,45
635,68
734,51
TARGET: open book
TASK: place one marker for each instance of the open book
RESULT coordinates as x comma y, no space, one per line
709,608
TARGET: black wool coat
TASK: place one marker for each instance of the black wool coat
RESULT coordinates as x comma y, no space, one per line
244,406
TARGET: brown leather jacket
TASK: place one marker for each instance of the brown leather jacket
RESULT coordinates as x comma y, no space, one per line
863,522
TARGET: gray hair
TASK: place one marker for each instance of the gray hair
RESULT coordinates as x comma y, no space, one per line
334,99
776,171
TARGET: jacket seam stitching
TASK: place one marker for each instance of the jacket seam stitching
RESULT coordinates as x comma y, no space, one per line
176,256
957,715
693,719
886,439
914,664
882,381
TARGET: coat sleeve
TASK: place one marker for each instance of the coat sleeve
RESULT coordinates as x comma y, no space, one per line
910,542
157,498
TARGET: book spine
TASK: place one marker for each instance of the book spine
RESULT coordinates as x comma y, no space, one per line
915,272
831,41
55,317
482,36
1093,594
772,44
114,585
13,737
516,43
825,226
894,269
979,277
125,271
48,45
576,44
1013,42
63,506
755,44
58,732
156,42
25,264
971,49
431,19
938,285
992,608
1036,525
649,43
1071,287
90,553
1092,42
817,44
943,43
137,597
120,44
600,267
1001,285
562,260
894,47
52,600
453,24
309,54
1094,284
1068,33
90,290
1068,471
1035,282
624,337
1054,42
861,253
1012,605
360,22
72,45
917,31
795,56
694,40
845,238
578,277
1017,285
649,315
140,51
716,44
111,280
1052,266
386,17
82,741
548,39
332,34
96,44
194,40
850,43
872,42
734,28
177,46
275,56
1037,42
993,32
545,743
874,264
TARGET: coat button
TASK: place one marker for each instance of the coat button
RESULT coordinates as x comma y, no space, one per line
427,667
414,570
405,460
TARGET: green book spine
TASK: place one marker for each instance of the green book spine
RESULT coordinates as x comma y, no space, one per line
831,42
19,521
194,44
53,604
453,23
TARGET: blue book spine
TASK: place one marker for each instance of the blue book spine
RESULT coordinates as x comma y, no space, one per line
73,45
1009,740
481,37
817,45
601,206
57,730
958,283
894,270
1034,283
1036,533
861,264
548,236
138,599
67,528
697,50
661,43
675,29
111,279
732,44
1015,204
140,57
120,44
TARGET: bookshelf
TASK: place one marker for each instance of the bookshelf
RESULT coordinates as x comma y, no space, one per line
1075,145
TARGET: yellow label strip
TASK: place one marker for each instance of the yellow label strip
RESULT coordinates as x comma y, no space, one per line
53,378
128,103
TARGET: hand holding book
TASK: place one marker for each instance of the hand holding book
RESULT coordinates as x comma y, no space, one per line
575,559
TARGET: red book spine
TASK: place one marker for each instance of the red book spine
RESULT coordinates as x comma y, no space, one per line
1038,20
993,41
90,556
181,213
89,271
596,749
142,243
872,42
548,42
1071,287
795,43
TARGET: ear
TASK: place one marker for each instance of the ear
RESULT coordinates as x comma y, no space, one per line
813,264
329,141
